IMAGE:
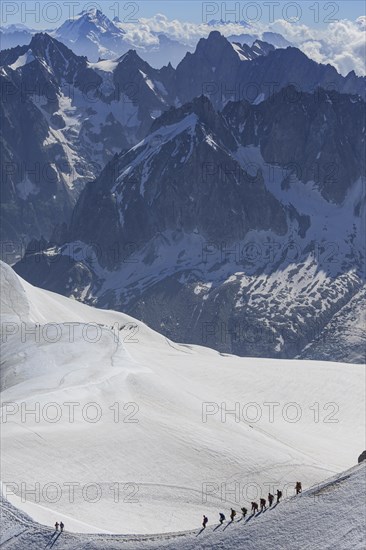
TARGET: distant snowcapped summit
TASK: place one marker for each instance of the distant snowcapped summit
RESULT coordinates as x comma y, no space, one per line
93,34
222,23
276,39
101,21
92,12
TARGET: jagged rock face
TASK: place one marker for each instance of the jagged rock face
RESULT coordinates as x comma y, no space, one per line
144,86
213,68
258,48
344,337
197,233
171,167
33,195
37,175
260,317
227,73
186,174
321,134
81,114
362,457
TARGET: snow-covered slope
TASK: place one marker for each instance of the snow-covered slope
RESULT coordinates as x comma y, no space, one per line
161,473
328,516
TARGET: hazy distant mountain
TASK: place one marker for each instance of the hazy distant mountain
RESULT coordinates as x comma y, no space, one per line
223,23
15,35
276,39
167,51
273,38
92,34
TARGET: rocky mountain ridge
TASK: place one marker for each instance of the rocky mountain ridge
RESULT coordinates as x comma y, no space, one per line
208,230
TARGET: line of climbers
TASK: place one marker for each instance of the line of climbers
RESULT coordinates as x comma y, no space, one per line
255,507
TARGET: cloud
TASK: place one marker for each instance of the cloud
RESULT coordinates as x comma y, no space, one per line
312,48
341,43
140,37
361,22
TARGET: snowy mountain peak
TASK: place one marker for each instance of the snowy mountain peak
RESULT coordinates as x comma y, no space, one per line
276,39
97,18
199,106
92,13
131,67
54,55
43,45
262,48
92,20
93,34
130,56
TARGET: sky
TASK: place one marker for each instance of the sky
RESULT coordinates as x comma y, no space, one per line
316,14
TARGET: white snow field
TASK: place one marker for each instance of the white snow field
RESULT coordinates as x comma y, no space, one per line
329,516
118,443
